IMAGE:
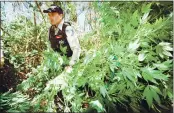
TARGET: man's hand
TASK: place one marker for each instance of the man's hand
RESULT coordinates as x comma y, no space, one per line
68,69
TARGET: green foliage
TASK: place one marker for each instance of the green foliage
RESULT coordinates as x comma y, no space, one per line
150,93
150,75
50,67
96,104
163,49
124,62
146,45
24,43
14,102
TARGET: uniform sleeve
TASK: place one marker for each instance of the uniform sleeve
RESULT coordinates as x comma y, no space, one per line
1,48
74,44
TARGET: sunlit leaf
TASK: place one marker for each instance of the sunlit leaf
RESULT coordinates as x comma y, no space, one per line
133,45
97,105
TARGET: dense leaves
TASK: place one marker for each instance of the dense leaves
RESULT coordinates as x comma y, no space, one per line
125,64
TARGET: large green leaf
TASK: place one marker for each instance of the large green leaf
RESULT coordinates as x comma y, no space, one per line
103,91
163,49
148,95
151,93
97,105
150,75
133,45
145,8
147,75
166,65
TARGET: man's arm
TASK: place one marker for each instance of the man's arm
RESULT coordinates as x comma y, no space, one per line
74,45
1,54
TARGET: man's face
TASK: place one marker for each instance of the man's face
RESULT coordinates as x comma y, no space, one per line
55,18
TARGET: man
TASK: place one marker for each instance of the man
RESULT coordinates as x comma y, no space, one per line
63,39
62,35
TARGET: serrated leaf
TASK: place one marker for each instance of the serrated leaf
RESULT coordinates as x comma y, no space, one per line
133,45
164,65
97,105
169,94
135,19
159,50
141,57
143,20
146,73
112,67
103,91
147,94
130,73
167,53
164,43
155,95
146,8
156,89
168,48
163,48
158,75
150,74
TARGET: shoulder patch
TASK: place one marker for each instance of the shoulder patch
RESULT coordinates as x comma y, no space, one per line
69,31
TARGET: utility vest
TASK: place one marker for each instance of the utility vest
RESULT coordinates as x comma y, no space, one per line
59,42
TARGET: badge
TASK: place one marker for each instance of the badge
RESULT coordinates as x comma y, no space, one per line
58,36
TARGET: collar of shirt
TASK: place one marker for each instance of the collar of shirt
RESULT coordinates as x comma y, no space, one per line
59,27
61,24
